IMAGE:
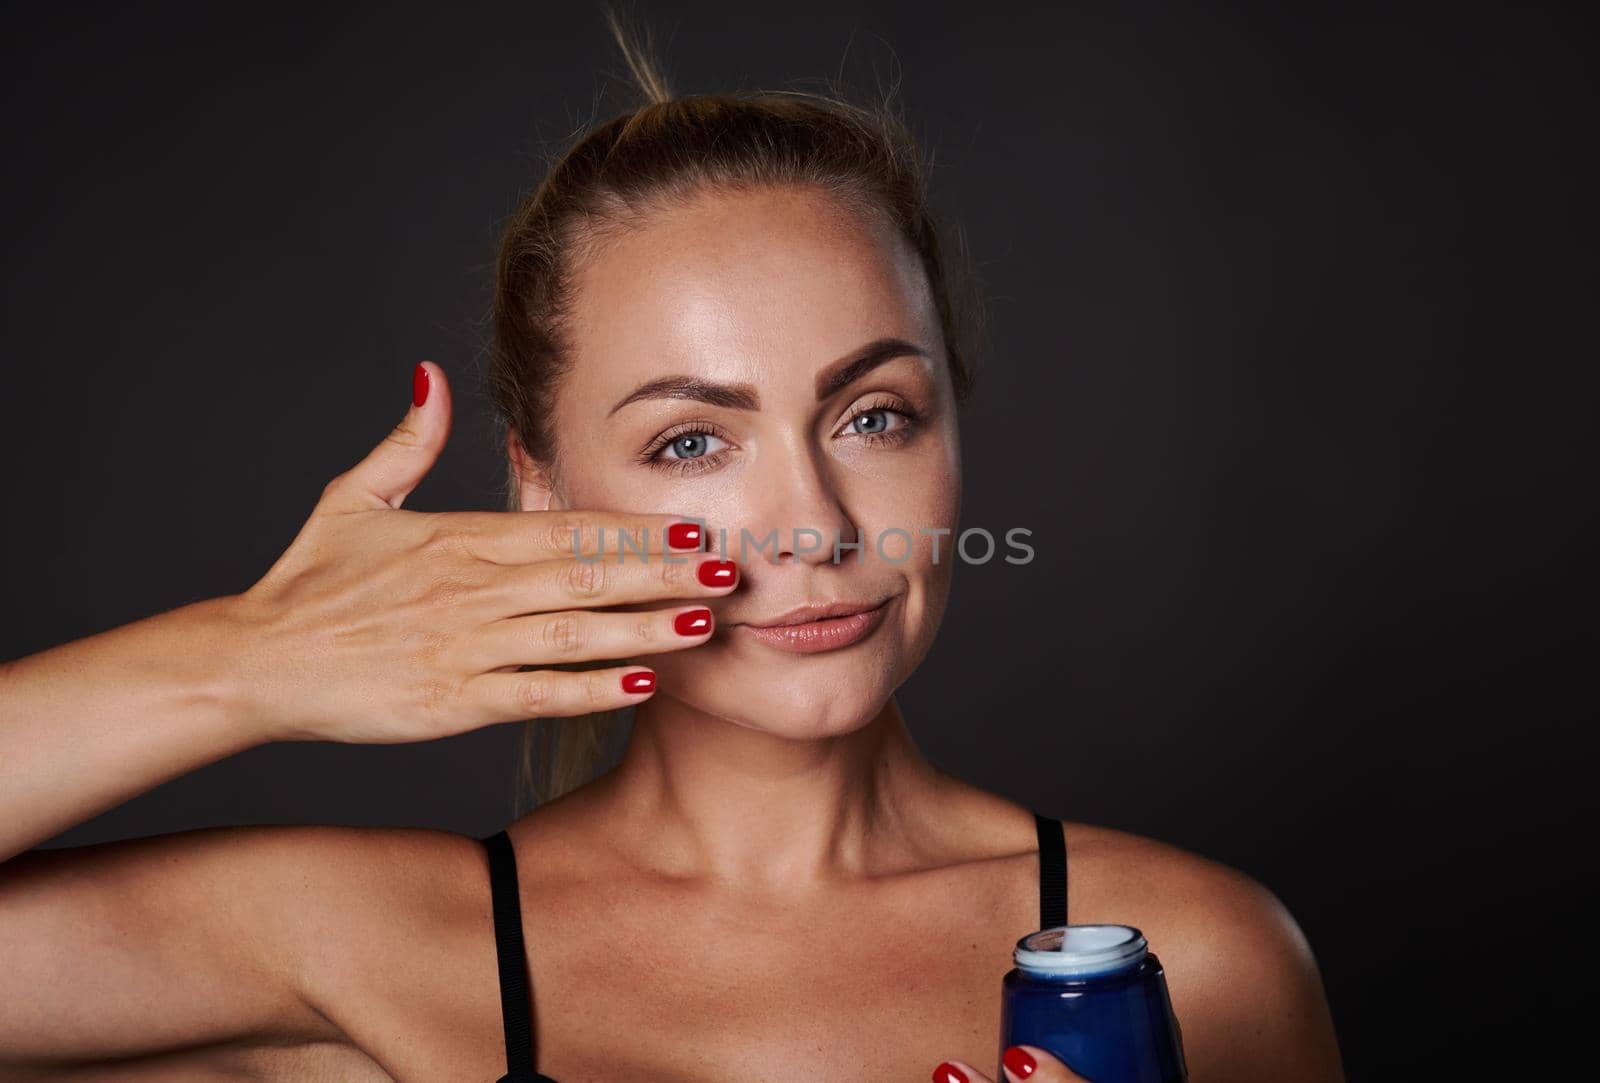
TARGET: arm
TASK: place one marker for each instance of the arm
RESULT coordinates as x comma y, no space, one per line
167,943
89,724
377,625
154,945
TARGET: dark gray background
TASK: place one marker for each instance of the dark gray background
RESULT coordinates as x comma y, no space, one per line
1288,313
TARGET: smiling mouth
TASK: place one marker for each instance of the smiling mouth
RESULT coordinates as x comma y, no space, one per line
814,630
807,614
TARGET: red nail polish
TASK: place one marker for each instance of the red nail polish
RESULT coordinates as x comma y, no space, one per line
692,622
419,385
949,1073
638,682
718,573
1019,1061
684,535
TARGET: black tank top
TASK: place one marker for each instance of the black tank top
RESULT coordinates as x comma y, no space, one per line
514,1001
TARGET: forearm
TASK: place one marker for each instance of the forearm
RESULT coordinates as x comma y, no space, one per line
89,724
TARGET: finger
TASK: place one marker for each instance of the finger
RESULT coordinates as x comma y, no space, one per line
1020,1062
557,693
522,537
577,635
958,1071
567,584
399,463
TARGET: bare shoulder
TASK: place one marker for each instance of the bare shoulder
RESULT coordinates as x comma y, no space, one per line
1112,869
317,899
1244,980
392,934
298,875
350,902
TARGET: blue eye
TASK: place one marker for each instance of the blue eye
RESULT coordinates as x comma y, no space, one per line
873,424
689,445
871,421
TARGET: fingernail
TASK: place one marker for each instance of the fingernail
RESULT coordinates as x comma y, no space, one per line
1018,1060
948,1073
692,622
638,682
419,385
718,573
684,535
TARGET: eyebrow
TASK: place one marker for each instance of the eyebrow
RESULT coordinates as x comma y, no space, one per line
830,381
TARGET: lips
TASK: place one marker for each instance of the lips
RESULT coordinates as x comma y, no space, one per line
816,629
806,614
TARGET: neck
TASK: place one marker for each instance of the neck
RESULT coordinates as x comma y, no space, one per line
729,804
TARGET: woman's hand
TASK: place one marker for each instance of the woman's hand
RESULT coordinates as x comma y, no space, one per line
1019,1062
379,625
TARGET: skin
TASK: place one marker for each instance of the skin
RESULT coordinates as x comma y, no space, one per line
774,884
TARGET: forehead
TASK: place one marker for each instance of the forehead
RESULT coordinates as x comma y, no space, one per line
767,286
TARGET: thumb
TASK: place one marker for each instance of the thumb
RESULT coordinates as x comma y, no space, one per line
399,463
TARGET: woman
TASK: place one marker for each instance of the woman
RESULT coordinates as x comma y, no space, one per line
723,312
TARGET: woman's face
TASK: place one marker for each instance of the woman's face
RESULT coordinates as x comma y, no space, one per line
713,378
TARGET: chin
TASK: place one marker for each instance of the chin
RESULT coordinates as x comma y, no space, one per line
808,717
798,696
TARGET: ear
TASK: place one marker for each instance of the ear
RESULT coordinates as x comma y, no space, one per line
535,490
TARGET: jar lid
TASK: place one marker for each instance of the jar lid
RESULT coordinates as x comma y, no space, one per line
1080,950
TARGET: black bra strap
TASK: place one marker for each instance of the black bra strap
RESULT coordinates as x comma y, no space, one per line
513,959
1052,871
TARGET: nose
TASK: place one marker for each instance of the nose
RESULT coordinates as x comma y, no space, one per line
796,494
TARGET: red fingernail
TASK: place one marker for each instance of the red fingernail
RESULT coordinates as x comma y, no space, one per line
949,1073
692,622
1018,1060
638,682
419,385
684,535
718,573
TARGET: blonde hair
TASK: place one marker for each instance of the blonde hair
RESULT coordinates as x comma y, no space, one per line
664,152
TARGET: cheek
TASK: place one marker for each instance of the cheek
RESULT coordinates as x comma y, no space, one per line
927,573
929,507
914,523
923,493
